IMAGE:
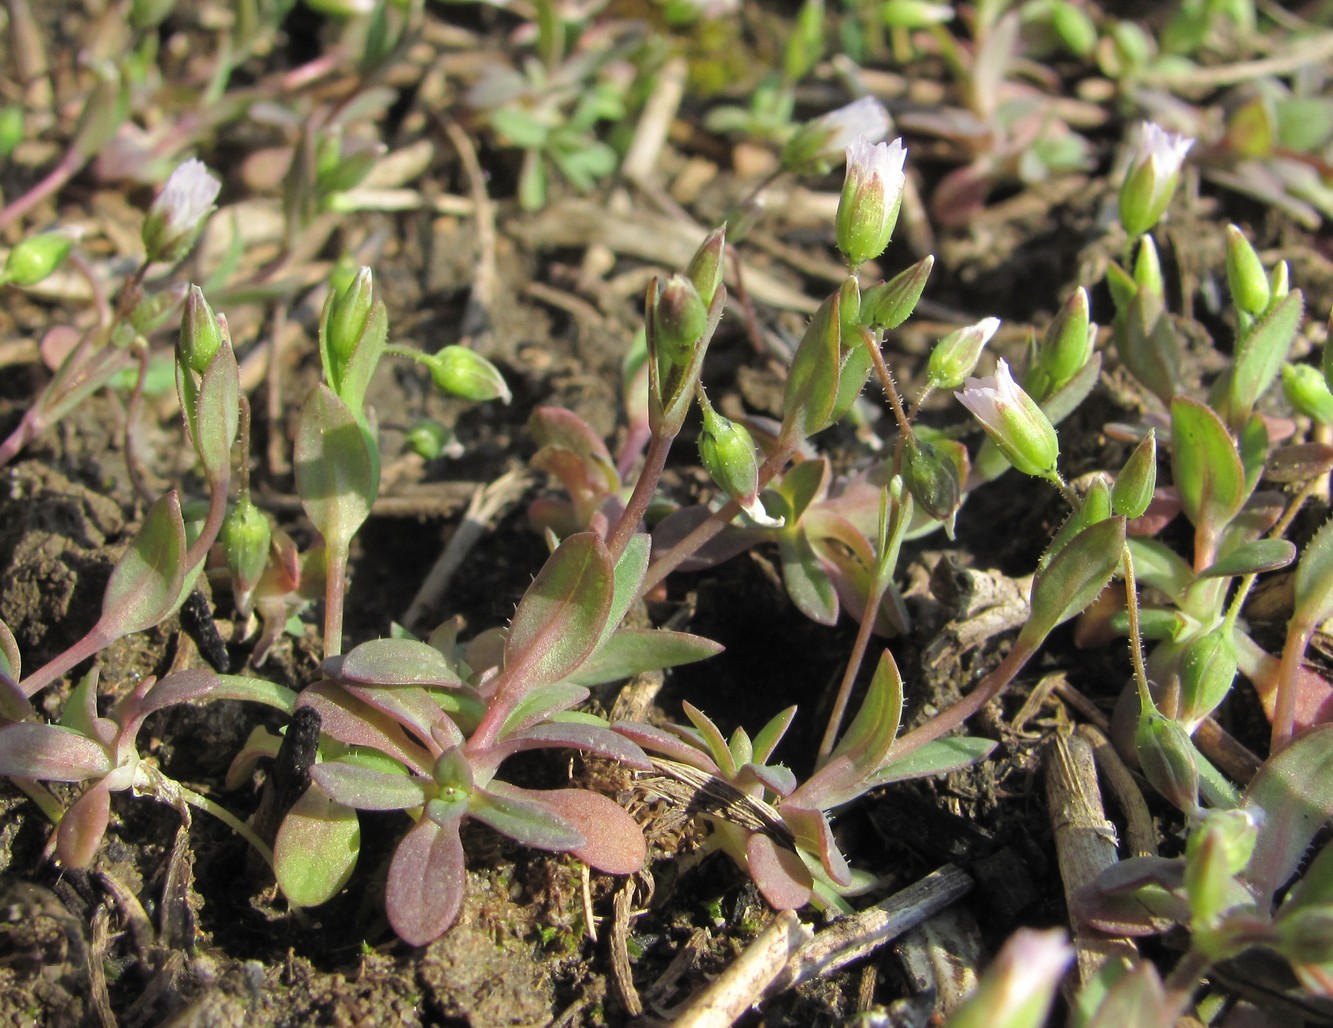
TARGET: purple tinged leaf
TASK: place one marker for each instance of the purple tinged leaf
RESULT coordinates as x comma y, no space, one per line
778,872
145,586
217,413
656,740
615,843
316,848
776,778
51,753
352,721
812,831
415,710
562,614
427,882
1293,794
396,662
771,734
870,737
11,663
628,576
728,543
540,703
577,736
83,826
1205,465
525,816
934,758
632,651
337,473
1136,998
367,789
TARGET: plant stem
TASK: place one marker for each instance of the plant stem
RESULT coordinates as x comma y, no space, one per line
644,487
335,574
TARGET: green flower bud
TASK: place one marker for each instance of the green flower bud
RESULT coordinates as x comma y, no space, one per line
955,356
177,216
1166,756
914,14
1307,391
465,373
726,450
889,304
706,267
932,479
1148,268
11,129
1067,345
36,257
1019,427
1217,850
1250,291
1134,486
430,440
872,194
245,536
679,320
1279,280
1076,30
200,336
1153,173
1207,670
347,314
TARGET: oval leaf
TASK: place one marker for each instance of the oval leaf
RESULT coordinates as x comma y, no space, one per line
316,848
780,874
427,881
396,662
217,413
615,843
524,815
337,475
1294,793
1074,578
1253,558
561,616
366,789
1205,463
145,585
50,753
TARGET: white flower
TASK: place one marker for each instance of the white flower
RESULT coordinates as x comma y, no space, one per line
871,196
176,216
817,144
1012,418
1151,179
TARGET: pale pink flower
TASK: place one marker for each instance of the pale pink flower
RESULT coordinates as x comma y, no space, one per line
176,216
1012,418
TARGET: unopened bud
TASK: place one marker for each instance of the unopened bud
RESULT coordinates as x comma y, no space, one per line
872,194
201,335
467,374
1246,277
1207,671
706,267
1067,345
955,356
246,536
932,479
679,320
726,450
1148,268
177,216
347,314
1133,488
35,258
1217,850
1307,391
1166,756
889,304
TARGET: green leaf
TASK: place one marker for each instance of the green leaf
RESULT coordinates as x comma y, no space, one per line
632,651
1147,343
870,736
367,789
801,484
1294,792
935,758
1253,558
1096,506
630,569
217,413
145,585
1074,578
1260,353
316,849
812,381
808,584
1065,400
395,662
337,471
1206,466
563,613
519,814
1314,578
539,703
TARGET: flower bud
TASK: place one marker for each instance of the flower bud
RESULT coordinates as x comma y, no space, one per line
1246,277
1307,391
956,355
1207,670
1217,850
201,336
1153,173
1066,347
914,14
932,479
1133,488
467,374
429,440
176,217
11,129
1279,280
817,144
35,258
1166,756
889,304
872,193
347,314
726,450
1019,427
1148,268
679,320
245,536
706,266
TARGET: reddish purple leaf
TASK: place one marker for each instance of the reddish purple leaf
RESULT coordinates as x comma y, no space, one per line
779,873
427,880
